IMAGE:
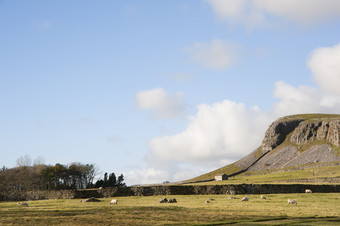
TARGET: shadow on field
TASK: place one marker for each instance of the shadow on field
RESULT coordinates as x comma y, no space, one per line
284,221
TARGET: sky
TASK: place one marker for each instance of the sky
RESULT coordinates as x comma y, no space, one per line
160,90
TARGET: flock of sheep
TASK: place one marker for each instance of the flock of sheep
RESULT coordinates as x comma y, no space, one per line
290,201
165,200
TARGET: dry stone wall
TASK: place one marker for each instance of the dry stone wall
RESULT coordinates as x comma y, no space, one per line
171,190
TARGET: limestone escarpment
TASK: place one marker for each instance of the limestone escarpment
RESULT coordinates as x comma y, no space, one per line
308,131
293,142
319,133
304,131
277,133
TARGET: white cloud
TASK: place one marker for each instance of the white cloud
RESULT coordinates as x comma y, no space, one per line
217,54
161,103
215,136
145,176
87,121
258,12
159,174
181,77
325,66
114,139
303,99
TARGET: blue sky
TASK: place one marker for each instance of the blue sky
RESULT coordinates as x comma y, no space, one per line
160,90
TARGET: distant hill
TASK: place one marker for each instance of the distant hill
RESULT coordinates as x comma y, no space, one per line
291,143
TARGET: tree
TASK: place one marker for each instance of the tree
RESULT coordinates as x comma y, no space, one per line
76,175
39,161
112,180
3,169
60,176
90,171
24,161
120,181
105,178
47,177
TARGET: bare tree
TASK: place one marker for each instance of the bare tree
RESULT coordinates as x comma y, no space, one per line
24,161
39,161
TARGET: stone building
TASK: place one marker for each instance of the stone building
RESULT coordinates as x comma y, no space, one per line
221,177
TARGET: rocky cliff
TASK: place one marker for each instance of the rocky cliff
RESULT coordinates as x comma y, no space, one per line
305,130
291,143
323,129
297,141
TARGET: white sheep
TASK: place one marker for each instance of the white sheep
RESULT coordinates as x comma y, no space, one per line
292,201
245,199
22,204
308,191
263,197
114,201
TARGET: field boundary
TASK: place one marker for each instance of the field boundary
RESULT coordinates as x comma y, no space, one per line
228,189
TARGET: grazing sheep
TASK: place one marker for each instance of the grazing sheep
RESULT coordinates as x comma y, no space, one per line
207,201
292,201
114,201
231,197
308,191
163,200
22,204
172,201
263,197
245,199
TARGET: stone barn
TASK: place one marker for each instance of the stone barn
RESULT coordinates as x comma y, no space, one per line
221,177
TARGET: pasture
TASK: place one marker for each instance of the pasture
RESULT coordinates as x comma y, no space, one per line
312,209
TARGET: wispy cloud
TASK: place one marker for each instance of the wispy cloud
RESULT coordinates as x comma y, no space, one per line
217,54
39,123
114,139
87,121
161,103
181,77
47,24
252,13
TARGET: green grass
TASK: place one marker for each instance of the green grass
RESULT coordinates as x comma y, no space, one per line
312,116
312,209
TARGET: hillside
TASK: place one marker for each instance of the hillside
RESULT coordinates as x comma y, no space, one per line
291,143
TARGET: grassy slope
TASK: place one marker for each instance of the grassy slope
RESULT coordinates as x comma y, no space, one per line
313,175
229,169
315,208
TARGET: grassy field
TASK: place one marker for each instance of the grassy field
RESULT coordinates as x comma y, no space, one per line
312,209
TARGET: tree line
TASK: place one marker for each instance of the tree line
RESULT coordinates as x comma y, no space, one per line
59,176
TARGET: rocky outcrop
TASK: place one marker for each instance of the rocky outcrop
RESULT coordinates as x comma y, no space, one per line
277,133
309,131
304,129
295,131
